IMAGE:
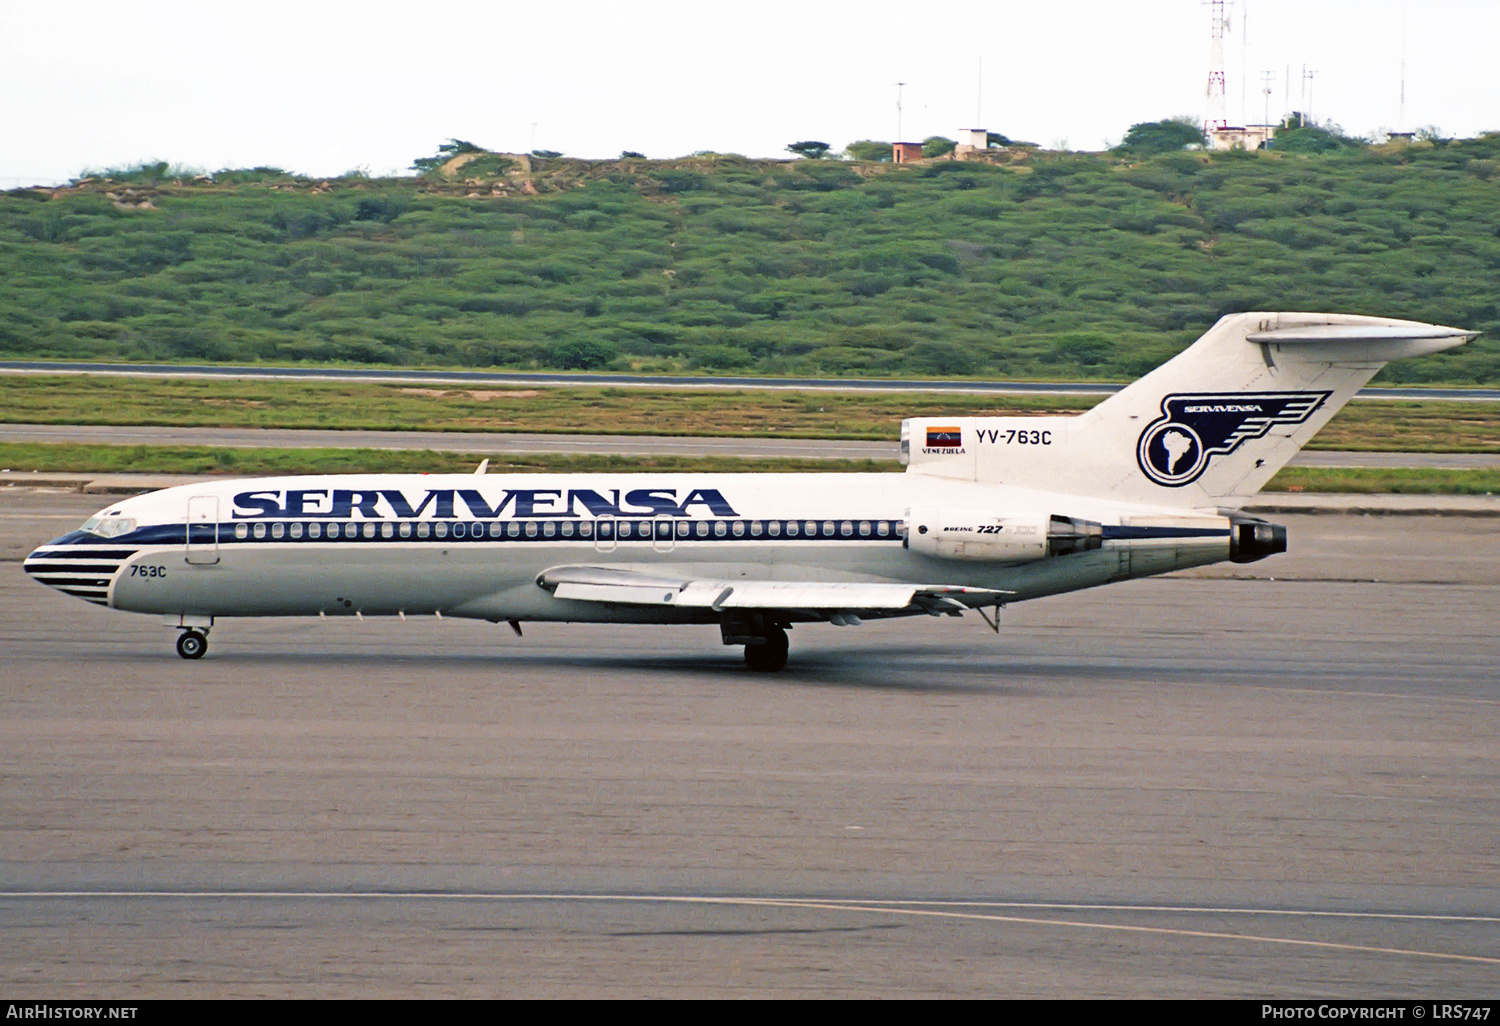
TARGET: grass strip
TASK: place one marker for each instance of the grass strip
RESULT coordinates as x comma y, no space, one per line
257,462
229,462
1373,481
1364,425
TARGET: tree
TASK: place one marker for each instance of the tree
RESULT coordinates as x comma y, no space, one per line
545,154
869,151
810,149
937,146
581,354
631,155
940,358
996,139
1299,134
445,153
1169,136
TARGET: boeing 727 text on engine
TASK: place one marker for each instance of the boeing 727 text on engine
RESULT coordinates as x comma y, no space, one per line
989,511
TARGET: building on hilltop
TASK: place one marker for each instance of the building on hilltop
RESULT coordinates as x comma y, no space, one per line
1248,137
971,140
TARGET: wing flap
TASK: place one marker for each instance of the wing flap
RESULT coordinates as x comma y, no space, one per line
629,587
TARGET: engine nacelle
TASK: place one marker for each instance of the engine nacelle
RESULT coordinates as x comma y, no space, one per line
977,535
1251,539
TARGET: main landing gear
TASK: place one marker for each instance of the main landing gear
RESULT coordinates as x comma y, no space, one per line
770,654
764,641
192,643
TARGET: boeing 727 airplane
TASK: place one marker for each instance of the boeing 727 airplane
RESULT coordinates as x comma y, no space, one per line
989,511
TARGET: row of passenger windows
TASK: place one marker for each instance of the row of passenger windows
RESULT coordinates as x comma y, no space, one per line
639,530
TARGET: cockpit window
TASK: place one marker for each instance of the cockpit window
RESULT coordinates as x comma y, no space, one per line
108,526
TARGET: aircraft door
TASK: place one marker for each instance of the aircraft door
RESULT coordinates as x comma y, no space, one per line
604,533
203,530
663,534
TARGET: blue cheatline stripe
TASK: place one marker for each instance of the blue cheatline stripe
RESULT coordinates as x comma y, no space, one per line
626,530
80,550
1161,533
43,566
621,531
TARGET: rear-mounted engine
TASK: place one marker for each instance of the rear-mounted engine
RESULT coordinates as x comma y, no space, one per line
975,535
1250,540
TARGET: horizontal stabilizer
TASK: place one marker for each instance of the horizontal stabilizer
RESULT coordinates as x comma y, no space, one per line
1360,333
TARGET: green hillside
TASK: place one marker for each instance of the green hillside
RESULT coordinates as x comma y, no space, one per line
1049,265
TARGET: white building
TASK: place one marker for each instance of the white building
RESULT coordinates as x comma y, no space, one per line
1250,137
971,140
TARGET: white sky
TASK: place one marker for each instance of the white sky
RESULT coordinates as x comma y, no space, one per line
324,88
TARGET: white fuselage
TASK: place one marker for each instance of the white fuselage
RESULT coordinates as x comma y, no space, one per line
474,546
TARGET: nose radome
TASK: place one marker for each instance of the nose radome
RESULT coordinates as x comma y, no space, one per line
82,570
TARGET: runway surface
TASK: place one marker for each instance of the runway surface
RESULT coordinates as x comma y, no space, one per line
478,444
1277,779
585,379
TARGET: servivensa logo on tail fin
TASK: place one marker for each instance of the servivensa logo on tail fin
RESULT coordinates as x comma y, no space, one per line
1175,449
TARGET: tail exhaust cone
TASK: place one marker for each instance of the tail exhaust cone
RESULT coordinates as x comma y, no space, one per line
1255,539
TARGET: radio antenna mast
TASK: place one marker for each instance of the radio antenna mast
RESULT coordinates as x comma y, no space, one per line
1244,61
1216,116
1401,110
979,95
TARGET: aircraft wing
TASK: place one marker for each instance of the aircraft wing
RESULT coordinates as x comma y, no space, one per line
820,598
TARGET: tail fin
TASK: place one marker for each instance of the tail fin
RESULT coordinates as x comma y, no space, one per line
1206,429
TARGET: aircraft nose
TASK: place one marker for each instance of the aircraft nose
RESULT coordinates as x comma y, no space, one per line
83,571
